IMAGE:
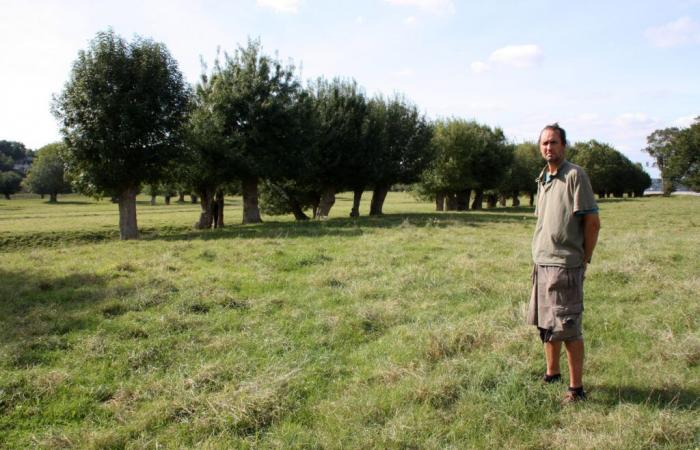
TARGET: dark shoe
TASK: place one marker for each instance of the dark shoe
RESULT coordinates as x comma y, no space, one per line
573,397
551,378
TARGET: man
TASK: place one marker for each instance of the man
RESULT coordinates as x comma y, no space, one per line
562,247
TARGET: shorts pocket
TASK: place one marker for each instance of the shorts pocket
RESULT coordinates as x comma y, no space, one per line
567,320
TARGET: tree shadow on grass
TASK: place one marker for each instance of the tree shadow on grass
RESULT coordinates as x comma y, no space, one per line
671,397
340,227
348,227
38,311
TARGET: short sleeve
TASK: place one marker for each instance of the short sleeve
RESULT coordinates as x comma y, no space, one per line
584,199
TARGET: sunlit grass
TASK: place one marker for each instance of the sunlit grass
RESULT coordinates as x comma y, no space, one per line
405,331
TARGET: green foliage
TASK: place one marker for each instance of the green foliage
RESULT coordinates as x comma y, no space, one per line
10,183
46,175
398,141
249,102
684,165
662,147
526,165
120,114
338,154
11,153
609,170
468,156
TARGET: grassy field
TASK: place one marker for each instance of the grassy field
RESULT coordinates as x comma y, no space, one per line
402,332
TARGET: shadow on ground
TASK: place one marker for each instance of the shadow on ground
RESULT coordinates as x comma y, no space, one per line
673,397
278,229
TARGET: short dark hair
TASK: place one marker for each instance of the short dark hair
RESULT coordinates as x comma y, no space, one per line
555,127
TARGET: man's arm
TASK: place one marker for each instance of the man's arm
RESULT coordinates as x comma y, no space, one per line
591,227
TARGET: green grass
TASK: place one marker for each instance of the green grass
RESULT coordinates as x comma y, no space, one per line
405,331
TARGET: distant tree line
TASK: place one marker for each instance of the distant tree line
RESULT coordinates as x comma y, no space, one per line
249,126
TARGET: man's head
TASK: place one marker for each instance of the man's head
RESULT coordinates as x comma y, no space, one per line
553,144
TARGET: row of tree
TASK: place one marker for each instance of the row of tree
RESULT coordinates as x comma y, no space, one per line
677,155
249,126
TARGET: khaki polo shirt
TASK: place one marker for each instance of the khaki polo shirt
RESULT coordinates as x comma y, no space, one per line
558,239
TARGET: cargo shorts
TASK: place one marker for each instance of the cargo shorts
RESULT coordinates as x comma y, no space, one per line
556,302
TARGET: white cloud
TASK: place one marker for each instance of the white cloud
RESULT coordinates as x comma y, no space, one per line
479,67
685,121
518,56
409,20
633,119
407,72
360,20
283,6
432,6
672,34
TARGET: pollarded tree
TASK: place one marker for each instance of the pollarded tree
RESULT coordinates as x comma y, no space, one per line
685,163
252,101
469,156
10,183
402,151
121,113
338,151
11,153
661,146
47,174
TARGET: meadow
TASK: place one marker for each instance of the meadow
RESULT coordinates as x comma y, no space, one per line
402,332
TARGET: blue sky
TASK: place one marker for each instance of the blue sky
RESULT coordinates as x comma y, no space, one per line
611,71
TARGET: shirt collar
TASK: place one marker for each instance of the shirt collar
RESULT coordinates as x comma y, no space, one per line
541,178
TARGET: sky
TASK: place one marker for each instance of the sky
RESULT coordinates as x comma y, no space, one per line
613,71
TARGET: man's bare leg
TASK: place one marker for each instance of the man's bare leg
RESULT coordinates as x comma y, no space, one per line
552,351
574,355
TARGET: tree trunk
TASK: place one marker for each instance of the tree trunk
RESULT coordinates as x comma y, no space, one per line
356,198
491,201
478,199
193,198
42,196
167,199
296,209
219,222
502,200
450,201
206,214
440,201
463,199
128,228
7,196
378,196
326,202
181,197
666,186
532,198
153,200
251,212
53,197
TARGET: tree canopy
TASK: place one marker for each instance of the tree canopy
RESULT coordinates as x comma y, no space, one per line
47,175
120,113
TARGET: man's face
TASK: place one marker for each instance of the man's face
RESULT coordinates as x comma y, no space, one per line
551,147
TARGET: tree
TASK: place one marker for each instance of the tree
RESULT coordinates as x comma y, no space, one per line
121,112
47,175
469,156
10,183
11,153
252,103
684,165
337,155
401,148
660,146
611,172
